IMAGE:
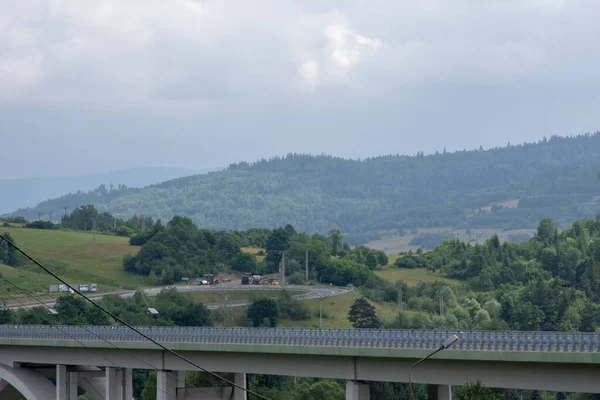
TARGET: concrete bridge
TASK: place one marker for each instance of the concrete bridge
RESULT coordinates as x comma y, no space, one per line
100,359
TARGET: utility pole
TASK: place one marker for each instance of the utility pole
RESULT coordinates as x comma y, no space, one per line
321,312
115,224
39,216
94,231
283,268
399,296
307,266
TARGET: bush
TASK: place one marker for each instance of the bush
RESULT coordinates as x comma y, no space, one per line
297,278
291,308
263,312
41,225
124,231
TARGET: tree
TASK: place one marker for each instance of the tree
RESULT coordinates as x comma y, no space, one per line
475,391
8,254
536,395
336,237
263,311
546,231
362,314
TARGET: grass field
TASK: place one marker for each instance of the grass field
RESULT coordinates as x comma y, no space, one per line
255,251
395,244
335,312
73,256
215,296
413,276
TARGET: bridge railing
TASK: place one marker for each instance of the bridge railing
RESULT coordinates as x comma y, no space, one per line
367,338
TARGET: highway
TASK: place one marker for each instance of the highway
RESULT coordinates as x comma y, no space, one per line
311,292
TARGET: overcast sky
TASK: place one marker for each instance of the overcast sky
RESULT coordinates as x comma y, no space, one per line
89,86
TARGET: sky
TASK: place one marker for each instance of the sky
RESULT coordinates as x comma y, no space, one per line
87,87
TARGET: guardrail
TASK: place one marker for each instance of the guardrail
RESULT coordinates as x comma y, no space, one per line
571,342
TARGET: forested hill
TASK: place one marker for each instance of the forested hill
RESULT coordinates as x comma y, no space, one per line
26,192
556,177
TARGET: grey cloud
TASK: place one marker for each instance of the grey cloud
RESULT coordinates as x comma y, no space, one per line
124,82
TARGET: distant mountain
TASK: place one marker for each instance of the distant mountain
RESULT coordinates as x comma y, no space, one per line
21,193
509,187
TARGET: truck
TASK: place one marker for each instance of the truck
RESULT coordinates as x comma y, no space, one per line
246,278
256,279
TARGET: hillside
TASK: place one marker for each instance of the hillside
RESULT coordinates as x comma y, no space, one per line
18,193
509,187
74,257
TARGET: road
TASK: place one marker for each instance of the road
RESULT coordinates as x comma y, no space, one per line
312,292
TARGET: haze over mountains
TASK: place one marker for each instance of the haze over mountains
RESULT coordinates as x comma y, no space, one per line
27,192
509,187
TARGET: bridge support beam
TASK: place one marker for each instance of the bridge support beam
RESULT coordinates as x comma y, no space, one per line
166,385
439,392
357,391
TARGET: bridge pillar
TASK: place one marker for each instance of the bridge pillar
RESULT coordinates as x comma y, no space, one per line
239,394
62,382
166,385
127,384
73,381
110,383
357,391
439,392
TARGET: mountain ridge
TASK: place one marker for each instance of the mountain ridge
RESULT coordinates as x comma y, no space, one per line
555,176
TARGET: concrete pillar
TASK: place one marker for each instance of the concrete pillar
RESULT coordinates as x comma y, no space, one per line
239,394
73,380
119,378
180,385
110,384
62,383
357,391
128,384
439,392
166,385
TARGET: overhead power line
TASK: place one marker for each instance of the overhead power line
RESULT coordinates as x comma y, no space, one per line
131,327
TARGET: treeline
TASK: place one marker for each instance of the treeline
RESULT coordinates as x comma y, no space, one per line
362,198
180,249
88,218
549,282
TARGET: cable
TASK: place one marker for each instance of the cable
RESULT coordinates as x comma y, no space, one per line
14,246
29,294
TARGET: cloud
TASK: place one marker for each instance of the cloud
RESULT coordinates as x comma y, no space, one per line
154,53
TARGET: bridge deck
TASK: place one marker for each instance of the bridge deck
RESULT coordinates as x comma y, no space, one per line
565,342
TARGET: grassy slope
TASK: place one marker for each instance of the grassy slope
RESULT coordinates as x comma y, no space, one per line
412,276
215,296
395,244
74,257
335,312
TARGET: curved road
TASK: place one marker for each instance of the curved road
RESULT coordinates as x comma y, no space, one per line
312,292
